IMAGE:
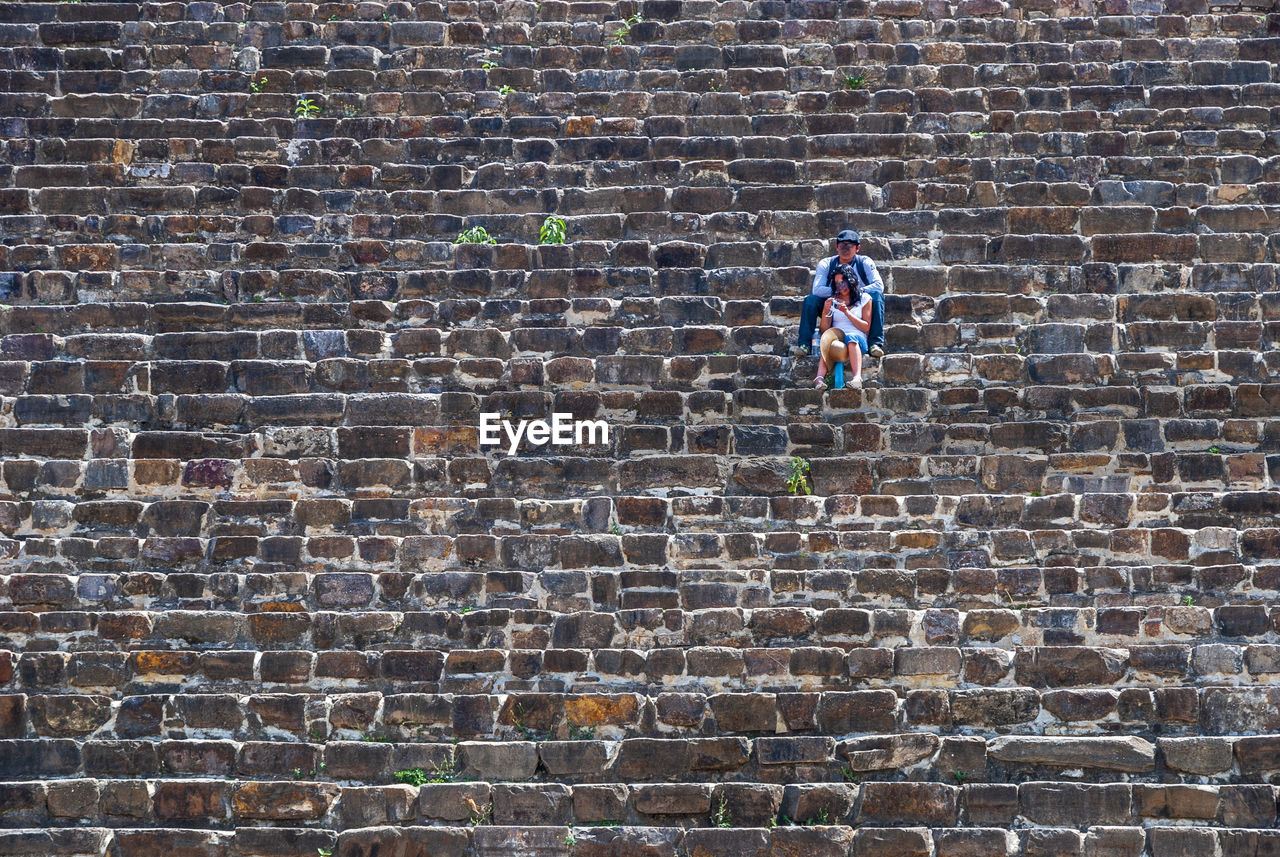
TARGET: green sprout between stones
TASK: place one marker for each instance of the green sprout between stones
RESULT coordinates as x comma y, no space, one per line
506,89
624,30
257,85
570,840
479,815
443,772
475,235
553,230
324,852
720,817
306,108
798,481
855,81
1188,601
490,60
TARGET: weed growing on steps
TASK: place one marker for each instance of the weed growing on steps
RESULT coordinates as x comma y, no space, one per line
479,815
720,816
444,772
490,61
798,481
855,81
307,109
257,85
624,31
506,90
553,230
475,235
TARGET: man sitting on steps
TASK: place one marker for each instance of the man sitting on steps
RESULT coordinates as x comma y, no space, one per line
847,245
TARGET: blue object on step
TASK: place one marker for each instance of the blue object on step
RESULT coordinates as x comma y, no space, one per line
839,385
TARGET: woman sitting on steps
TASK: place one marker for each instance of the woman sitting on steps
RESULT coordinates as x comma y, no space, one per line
846,320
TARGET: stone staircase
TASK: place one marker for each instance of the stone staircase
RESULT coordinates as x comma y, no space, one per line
264,594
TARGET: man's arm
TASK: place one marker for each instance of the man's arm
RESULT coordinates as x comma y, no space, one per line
820,286
873,275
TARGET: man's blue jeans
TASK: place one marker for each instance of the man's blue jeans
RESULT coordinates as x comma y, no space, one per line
812,307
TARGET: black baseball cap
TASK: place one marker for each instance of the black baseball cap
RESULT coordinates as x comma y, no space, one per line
848,235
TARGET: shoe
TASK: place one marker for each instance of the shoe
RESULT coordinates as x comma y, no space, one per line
876,352
839,379
801,350
855,383
819,383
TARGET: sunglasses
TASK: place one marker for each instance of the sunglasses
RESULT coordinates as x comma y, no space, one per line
844,243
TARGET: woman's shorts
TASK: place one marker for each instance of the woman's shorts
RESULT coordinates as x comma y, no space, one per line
857,336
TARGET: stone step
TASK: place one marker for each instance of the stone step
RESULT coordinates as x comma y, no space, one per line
371,328
602,838
814,809
879,729
1178,653
787,579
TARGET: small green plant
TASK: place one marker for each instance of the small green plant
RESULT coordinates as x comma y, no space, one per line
1188,601
570,840
715,87
553,230
257,85
960,777
386,16
517,720
306,108
479,814
849,774
412,777
616,530
475,235
621,34
798,481
490,61
855,81
581,733
332,18
324,852
977,133
720,816
505,90
1214,450
297,773
465,610
821,818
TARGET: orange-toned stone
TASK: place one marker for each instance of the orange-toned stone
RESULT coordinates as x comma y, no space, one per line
601,710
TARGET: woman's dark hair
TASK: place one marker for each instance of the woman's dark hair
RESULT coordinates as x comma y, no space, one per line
850,277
